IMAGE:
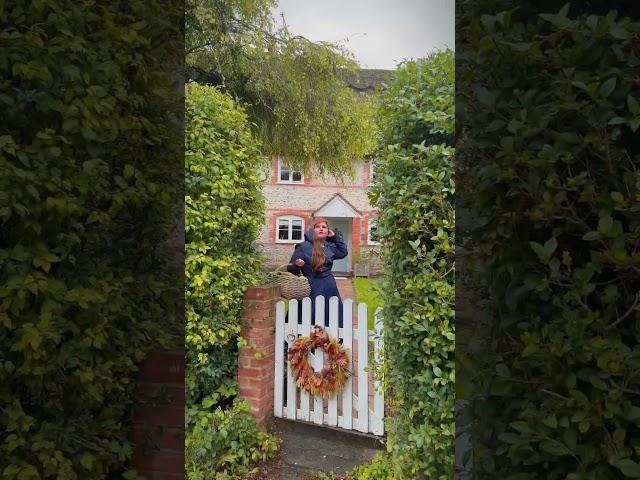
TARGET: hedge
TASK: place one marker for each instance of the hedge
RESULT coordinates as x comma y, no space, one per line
413,191
552,110
224,212
86,201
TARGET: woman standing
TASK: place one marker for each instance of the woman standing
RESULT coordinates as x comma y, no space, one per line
314,257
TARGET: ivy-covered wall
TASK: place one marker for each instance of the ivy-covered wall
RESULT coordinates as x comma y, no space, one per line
413,190
87,196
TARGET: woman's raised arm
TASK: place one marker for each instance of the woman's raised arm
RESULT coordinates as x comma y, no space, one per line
339,245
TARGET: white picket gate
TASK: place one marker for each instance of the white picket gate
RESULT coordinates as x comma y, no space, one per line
349,410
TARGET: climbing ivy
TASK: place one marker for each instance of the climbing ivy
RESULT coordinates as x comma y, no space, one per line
413,191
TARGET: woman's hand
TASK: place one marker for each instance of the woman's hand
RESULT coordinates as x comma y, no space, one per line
299,262
331,233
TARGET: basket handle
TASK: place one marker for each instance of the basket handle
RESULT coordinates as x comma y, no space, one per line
281,267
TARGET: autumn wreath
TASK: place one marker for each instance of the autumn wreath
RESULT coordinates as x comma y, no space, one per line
333,377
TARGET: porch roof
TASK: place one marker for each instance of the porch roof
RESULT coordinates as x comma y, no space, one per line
337,207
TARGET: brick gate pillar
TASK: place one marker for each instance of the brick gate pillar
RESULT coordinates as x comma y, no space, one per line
257,359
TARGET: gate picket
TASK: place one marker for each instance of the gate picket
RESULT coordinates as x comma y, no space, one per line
347,400
333,331
279,354
310,408
292,333
318,406
305,331
363,378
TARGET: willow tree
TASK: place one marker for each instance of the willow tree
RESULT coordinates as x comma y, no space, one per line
293,88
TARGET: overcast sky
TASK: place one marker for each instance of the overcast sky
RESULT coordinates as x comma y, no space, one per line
380,33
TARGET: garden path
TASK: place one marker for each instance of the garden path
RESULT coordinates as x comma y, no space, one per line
308,448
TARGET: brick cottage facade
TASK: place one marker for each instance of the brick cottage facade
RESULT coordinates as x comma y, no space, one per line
293,199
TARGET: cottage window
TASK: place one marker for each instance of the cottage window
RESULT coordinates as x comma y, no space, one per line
290,229
374,238
287,174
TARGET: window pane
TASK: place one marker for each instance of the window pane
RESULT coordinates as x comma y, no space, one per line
284,173
283,232
296,230
297,176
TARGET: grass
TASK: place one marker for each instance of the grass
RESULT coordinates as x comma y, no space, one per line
368,291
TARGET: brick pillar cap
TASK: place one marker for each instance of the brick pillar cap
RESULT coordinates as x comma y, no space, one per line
263,292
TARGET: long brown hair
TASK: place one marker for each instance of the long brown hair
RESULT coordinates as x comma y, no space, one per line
318,257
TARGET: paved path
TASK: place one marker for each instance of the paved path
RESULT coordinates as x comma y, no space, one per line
307,448
345,287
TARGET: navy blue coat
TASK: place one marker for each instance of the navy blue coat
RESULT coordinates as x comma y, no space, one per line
322,283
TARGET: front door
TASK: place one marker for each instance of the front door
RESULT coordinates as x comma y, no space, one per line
342,225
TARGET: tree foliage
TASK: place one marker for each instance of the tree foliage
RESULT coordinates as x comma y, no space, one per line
293,88
553,154
413,190
87,196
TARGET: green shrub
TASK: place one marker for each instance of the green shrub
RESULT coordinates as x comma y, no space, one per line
85,202
413,190
554,158
224,211
223,444
379,468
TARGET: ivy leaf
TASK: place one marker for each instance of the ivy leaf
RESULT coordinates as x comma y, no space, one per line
628,467
545,252
485,96
620,33
634,106
555,448
87,461
617,197
608,87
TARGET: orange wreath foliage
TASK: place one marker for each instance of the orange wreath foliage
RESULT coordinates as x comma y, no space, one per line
333,377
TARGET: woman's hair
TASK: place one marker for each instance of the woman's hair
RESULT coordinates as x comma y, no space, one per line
318,257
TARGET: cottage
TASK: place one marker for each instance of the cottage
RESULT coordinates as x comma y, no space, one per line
293,199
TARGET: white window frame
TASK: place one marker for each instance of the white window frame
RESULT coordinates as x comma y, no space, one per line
371,222
290,181
289,219
371,164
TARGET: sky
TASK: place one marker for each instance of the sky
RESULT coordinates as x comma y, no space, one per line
380,33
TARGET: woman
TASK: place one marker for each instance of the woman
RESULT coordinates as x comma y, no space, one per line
314,258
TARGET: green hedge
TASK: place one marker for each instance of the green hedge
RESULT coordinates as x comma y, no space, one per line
413,190
85,200
224,211
553,152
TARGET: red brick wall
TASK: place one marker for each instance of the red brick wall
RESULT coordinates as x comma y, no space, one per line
256,375
158,419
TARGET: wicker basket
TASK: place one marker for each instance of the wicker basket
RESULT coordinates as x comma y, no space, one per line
293,286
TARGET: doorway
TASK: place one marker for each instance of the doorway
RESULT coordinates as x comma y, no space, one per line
343,225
